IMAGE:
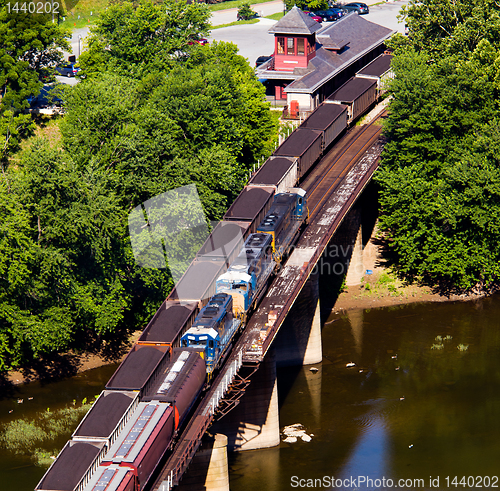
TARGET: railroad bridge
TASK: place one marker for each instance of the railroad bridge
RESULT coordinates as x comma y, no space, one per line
241,407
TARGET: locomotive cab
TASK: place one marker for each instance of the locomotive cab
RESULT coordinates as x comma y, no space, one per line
212,328
240,286
281,221
300,204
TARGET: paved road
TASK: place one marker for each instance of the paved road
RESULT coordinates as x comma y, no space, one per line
263,9
253,40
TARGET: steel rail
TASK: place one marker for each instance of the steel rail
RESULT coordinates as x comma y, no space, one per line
205,413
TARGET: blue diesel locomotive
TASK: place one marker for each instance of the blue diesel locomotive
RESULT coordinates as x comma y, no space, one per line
239,289
213,330
246,277
282,222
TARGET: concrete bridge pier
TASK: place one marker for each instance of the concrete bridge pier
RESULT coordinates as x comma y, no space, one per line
254,422
356,267
299,339
209,468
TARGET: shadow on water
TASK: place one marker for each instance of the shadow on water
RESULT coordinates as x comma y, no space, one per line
422,399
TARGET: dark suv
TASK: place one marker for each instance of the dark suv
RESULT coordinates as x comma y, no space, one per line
261,60
67,70
360,8
330,15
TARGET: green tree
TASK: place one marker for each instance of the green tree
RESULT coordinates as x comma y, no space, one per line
67,275
307,5
134,39
245,12
440,172
452,27
28,44
203,122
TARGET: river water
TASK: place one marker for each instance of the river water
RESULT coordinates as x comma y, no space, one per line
420,403
404,411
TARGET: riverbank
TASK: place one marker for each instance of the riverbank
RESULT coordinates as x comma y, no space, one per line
69,364
382,288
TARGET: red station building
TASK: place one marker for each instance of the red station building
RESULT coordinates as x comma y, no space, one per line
311,61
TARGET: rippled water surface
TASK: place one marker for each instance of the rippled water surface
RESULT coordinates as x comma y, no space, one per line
404,411
17,472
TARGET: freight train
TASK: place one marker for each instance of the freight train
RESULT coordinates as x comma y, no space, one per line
133,423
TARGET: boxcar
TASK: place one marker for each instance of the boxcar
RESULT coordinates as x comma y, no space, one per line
251,206
112,478
107,416
330,119
358,94
144,440
169,323
140,368
304,144
73,467
280,172
225,240
198,282
181,382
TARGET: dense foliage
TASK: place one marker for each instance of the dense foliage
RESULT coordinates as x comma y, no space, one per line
307,5
28,44
68,277
440,179
131,39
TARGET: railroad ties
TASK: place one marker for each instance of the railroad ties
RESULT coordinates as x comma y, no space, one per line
340,178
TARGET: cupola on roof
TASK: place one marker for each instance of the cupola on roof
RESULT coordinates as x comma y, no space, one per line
295,22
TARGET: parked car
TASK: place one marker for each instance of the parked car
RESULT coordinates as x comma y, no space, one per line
315,17
201,41
47,101
261,60
360,8
330,15
67,70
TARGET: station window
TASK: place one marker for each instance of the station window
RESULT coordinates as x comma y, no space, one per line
310,45
281,46
290,46
300,46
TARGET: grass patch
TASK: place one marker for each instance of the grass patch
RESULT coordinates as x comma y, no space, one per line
35,438
46,127
236,23
276,16
233,4
83,13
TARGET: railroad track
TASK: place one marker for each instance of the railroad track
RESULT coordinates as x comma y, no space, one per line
320,185
337,163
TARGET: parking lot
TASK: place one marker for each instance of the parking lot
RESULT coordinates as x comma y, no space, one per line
253,40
